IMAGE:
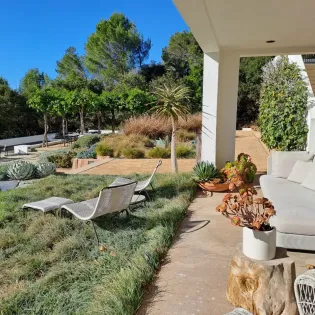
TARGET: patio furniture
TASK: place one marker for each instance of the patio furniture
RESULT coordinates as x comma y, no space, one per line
48,204
21,149
111,200
262,287
304,288
142,185
293,203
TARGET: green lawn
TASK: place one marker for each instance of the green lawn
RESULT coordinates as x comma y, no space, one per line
52,265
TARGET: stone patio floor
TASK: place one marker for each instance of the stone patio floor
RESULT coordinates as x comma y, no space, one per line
193,276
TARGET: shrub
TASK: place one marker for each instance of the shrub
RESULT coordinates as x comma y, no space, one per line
185,151
184,135
86,154
154,127
21,170
3,171
283,106
86,141
45,169
159,153
62,160
43,158
206,172
133,153
102,149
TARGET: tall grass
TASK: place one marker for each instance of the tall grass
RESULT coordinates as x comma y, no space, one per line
51,265
154,127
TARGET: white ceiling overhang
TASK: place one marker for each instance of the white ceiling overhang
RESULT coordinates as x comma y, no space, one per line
245,25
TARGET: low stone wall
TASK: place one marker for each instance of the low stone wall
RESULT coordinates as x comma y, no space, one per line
78,163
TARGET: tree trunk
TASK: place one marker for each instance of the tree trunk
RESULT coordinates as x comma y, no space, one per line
173,148
45,141
64,130
99,122
66,125
113,121
82,127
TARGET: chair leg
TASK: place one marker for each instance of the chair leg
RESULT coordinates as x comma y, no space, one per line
152,187
147,194
94,228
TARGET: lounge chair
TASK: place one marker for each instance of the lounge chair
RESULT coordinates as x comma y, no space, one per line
110,200
142,185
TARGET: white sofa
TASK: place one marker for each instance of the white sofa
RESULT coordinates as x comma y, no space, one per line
294,205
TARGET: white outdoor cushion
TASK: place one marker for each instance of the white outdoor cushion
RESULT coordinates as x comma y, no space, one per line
300,171
294,205
309,181
283,162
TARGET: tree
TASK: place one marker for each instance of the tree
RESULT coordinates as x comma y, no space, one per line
152,71
250,78
283,106
16,118
184,58
42,101
114,49
33,81
170,104
73,76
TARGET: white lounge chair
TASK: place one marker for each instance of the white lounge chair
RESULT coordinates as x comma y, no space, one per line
142,185
110,200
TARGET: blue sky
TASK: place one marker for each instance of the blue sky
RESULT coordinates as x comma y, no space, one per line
35,34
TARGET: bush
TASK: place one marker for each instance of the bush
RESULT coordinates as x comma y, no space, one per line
86,141
184,135
3,171
102,149
63,160
283,106
21,170
133,153
45,169
154,127
159,153
86,154
185,151
43,158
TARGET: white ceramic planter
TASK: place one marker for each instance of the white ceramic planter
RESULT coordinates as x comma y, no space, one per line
259,245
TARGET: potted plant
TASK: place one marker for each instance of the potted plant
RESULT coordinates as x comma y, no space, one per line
253,214
242,169
209,177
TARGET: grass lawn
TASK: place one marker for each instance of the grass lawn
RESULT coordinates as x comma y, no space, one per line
52,265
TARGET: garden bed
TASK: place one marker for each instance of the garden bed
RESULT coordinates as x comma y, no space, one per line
52,265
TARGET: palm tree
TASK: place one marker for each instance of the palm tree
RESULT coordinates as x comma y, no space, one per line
171,105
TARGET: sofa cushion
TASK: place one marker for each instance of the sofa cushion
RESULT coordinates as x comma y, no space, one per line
283,162
300,171
309,181
294,205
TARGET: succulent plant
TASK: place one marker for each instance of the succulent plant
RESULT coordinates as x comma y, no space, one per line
45,169
21,170
206,172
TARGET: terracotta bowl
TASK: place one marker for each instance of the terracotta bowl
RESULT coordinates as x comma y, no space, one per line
214,187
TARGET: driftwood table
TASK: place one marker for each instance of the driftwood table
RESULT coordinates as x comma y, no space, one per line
263,287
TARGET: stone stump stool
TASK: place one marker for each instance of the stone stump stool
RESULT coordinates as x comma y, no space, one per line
263,287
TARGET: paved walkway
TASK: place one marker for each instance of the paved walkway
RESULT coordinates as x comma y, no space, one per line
193,277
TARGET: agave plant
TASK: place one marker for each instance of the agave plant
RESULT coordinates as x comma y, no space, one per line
206,172
21,170
45,169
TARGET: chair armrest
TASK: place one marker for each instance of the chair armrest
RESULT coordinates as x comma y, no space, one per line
269,165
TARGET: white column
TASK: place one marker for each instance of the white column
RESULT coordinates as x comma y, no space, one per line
220,87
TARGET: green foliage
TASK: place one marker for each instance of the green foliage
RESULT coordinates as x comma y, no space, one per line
33,81
102,149
250,79
185,151
45,169
43,158
206,172
3,171
21,170
87,141
159,153
86,154
184,135
62,160
64,252
162,143
115,48
283,107
133,153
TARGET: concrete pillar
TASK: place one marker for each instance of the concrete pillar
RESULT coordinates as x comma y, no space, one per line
220,88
